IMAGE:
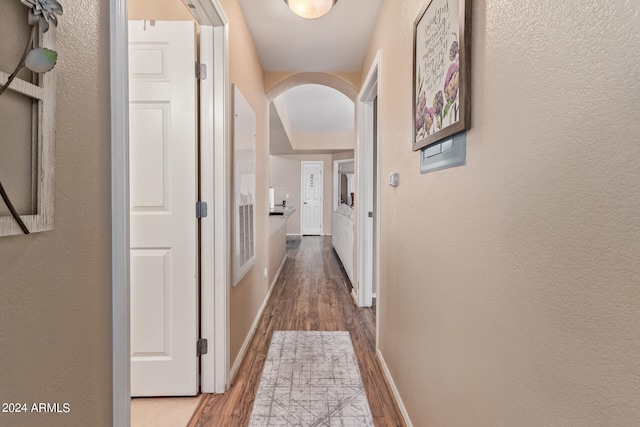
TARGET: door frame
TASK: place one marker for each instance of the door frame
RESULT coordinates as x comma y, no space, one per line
215,368
164,233
215,188
366,263
302,163
336,180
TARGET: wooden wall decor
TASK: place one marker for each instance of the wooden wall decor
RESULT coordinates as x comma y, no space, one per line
42,121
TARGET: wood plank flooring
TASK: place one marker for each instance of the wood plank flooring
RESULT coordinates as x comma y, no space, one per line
311,294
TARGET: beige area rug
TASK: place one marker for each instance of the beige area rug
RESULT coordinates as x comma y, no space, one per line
311,379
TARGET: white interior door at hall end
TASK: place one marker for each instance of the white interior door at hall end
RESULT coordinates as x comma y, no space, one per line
162,103
312,180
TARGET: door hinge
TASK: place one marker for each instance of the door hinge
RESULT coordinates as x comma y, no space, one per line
370,214
201,209
202,347
201,71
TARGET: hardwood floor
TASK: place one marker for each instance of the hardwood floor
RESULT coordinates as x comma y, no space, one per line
311,294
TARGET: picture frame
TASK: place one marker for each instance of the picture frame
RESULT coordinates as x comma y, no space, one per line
41,92
244,186
441,71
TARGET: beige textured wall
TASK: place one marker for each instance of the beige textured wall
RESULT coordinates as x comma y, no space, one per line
344,155
170,10
323,140
285,177
55,309
246,72
277,244
511,286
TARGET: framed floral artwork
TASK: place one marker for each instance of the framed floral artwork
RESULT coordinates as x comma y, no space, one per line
441,71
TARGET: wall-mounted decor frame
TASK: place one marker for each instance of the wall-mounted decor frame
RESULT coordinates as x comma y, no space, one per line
244,186
42,120
441,71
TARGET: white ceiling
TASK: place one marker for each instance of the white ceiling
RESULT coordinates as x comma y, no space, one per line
279,143
317,108
309,108
336,42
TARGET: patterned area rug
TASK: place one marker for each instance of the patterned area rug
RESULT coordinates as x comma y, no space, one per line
311,379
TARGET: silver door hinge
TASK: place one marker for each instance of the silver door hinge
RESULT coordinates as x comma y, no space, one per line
202,347
201,209
201,71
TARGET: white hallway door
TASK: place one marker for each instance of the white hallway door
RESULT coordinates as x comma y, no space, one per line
162,101
312,207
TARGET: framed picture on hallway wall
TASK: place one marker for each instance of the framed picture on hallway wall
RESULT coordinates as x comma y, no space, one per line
441,71
244,186
27,120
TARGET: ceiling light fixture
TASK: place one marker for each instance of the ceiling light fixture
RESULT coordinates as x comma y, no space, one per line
310,9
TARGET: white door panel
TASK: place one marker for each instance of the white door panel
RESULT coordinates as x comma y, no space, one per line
312,189
162,95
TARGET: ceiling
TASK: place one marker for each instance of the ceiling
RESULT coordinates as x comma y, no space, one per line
336,42
318,108
309,108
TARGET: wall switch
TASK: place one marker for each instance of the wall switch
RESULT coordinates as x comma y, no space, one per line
447,145
432,150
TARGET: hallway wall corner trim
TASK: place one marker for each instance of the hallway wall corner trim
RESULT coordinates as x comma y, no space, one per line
120,213
394,389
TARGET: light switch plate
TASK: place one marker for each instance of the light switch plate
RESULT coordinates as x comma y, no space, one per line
447,145
393,179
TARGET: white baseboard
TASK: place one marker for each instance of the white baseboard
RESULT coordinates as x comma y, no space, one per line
394,390
275,278
254,326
